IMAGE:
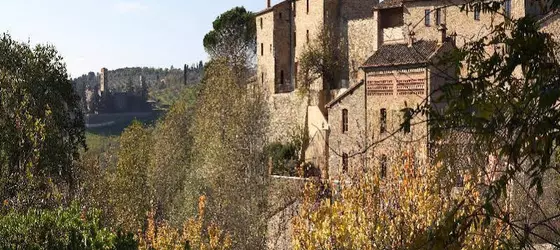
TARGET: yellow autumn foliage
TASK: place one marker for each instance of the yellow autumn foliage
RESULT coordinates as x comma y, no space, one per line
408,209
193,235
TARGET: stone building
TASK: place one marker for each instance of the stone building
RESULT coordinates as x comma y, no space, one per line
392,50
283,34
367,125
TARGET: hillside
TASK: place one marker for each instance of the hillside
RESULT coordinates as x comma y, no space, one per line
164,85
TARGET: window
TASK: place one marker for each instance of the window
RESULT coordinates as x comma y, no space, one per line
281,76
438,16
383,121
307,36
294,8
261,23
295,39
507,8
280,15
296,67
383,166
344,120
427,17
345,163
262,49
271,49
477,14
307,7
262,78
407,116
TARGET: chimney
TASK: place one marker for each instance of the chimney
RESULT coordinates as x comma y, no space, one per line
268,4
411,38
442,34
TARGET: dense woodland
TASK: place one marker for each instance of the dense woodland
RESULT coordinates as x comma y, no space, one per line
198,177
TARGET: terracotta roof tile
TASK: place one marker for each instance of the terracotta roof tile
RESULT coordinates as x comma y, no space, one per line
401,54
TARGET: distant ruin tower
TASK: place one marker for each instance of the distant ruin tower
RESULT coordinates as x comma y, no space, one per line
144,87
103,78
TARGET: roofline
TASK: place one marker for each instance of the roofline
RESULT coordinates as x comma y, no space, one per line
262,12
548,16
423,63
344,94
387,8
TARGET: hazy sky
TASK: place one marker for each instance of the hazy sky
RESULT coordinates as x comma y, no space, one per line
91,34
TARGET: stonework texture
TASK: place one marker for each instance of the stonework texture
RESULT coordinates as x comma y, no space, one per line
362,43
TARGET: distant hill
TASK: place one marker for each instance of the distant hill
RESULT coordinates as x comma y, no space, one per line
164,85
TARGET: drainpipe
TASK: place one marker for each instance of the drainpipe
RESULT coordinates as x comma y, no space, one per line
292,45
365,120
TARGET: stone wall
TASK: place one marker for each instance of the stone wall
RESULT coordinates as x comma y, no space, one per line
352,141
464,24
362,43
364,128
265,58
287,116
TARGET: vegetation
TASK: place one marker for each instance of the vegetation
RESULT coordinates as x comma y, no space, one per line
198,177
41,123
233,37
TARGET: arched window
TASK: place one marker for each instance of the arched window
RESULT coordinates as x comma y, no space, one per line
383,166
345,163
344,120
382,121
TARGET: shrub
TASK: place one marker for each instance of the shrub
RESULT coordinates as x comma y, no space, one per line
61,228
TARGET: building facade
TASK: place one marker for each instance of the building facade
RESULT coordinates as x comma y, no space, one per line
393,50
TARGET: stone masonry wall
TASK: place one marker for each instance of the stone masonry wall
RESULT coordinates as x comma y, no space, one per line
287,116
349,142
362,43
265,57
464,24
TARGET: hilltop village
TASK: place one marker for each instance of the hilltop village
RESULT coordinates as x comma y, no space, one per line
391,52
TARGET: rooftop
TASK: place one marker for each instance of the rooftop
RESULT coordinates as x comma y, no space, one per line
402,54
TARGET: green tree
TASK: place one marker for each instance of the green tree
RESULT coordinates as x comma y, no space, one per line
41,123
233,37
229,138
132,192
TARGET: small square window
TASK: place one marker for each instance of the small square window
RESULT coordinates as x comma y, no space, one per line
344,120
345,163
383,121
383,166
507,8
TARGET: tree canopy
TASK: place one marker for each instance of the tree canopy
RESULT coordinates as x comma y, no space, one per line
41,123
233,37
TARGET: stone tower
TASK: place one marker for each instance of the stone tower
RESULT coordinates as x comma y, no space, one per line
103,78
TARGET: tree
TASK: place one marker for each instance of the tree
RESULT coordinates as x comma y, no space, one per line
229,138
41,123
233,37
132,193
322,59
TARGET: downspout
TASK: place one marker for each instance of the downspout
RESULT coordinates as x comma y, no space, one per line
365,121
428,102
292,45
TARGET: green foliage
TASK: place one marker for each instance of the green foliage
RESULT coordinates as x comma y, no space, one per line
284,158
132,189
229,138
233,37
61,228
41,123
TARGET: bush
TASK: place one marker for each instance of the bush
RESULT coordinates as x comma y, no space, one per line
62,228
